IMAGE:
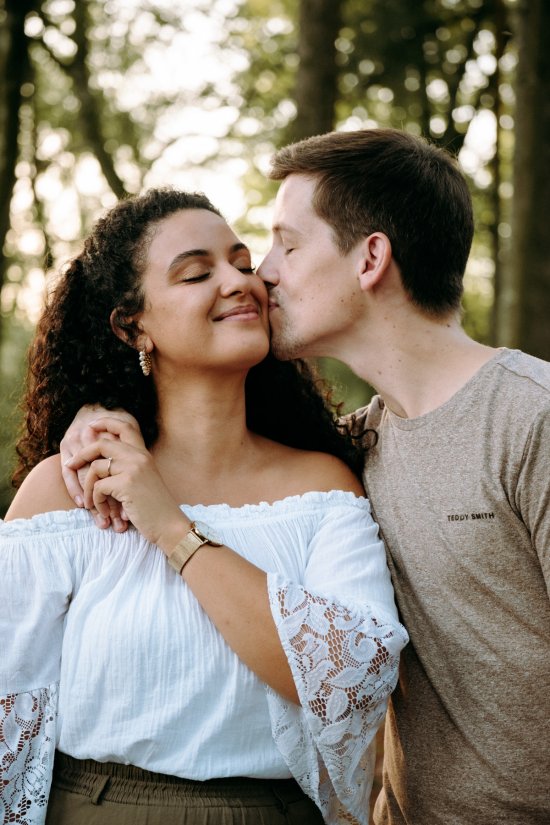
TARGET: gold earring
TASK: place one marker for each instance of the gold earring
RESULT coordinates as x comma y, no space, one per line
145,362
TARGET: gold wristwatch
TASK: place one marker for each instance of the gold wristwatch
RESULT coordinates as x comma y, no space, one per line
199,534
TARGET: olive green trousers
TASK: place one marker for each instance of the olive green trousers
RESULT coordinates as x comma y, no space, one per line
85,792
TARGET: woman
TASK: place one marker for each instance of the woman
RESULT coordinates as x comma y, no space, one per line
226,655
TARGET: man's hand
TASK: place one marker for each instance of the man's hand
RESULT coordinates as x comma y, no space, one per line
82,432
121,469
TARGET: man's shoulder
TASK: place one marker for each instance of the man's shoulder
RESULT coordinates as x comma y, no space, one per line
515,392
365,418
526,369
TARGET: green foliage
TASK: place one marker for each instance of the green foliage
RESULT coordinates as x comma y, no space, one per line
12,371
404,64
347,388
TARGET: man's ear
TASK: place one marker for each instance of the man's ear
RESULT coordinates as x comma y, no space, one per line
376,256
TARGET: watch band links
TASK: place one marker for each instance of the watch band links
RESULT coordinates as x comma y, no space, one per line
184,549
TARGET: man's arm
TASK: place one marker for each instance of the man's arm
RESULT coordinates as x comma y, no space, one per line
533,490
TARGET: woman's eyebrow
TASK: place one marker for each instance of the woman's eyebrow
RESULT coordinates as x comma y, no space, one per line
183,256
201,253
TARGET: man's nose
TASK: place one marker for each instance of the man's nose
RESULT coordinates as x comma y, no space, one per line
267,271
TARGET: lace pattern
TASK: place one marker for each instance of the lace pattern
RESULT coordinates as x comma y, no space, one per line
345,664
27,745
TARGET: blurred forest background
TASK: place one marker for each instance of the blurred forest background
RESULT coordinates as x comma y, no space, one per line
101,99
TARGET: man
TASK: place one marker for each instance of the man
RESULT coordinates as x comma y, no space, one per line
371,236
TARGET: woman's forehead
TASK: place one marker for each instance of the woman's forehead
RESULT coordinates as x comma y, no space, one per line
190,229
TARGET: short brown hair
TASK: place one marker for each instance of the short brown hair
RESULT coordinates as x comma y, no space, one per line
386,180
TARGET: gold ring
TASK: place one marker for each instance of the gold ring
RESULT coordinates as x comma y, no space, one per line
109,460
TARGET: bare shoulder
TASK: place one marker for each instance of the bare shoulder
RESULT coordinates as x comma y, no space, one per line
42,491
300,471
326,472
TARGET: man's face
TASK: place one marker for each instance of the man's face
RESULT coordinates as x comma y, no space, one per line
313,288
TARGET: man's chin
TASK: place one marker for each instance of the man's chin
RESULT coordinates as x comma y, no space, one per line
283,349
280,355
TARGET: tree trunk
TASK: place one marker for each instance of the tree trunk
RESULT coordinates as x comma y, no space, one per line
317,77
90,114
528,298
14,68
501,40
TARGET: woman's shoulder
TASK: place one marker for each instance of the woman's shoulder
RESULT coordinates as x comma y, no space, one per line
308,470
42,491
329,472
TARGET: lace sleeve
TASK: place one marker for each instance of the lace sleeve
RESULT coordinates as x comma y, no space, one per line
344,662
27,745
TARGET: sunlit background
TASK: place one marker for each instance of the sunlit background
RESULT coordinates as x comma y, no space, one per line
181,90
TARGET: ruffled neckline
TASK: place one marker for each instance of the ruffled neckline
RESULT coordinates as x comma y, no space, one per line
303,501
77,519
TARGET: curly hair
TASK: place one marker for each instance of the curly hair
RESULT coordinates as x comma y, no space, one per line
77,359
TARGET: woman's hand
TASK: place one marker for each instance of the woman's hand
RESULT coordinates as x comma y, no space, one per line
122,469
81,433
231,590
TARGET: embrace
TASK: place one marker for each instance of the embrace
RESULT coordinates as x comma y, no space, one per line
223,650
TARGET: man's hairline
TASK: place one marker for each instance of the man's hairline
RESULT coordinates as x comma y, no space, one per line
316,178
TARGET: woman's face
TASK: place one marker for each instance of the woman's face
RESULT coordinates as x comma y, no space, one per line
205,308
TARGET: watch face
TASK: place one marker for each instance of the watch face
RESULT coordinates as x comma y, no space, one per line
207,533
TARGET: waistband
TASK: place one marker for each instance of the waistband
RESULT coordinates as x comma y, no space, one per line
128,784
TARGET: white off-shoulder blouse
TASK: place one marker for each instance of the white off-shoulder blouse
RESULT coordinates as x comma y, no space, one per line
106,654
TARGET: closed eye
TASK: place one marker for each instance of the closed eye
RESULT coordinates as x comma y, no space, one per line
195,279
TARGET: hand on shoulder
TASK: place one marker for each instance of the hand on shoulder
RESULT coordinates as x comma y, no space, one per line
42,491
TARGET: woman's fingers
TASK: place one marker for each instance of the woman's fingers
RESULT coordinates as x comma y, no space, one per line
100,495
76,437
98,470
104,446
89,439
124,477
118,517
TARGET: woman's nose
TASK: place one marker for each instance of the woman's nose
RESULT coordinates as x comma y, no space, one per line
236,280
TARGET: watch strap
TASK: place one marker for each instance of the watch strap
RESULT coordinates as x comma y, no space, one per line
185,548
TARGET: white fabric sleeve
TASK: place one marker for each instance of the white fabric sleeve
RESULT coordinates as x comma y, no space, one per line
340,632
37,585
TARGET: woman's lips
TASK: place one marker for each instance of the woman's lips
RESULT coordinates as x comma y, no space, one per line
240,313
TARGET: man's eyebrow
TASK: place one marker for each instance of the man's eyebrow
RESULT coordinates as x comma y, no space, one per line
284,227
201,253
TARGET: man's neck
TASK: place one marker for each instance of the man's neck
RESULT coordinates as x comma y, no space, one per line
416,365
